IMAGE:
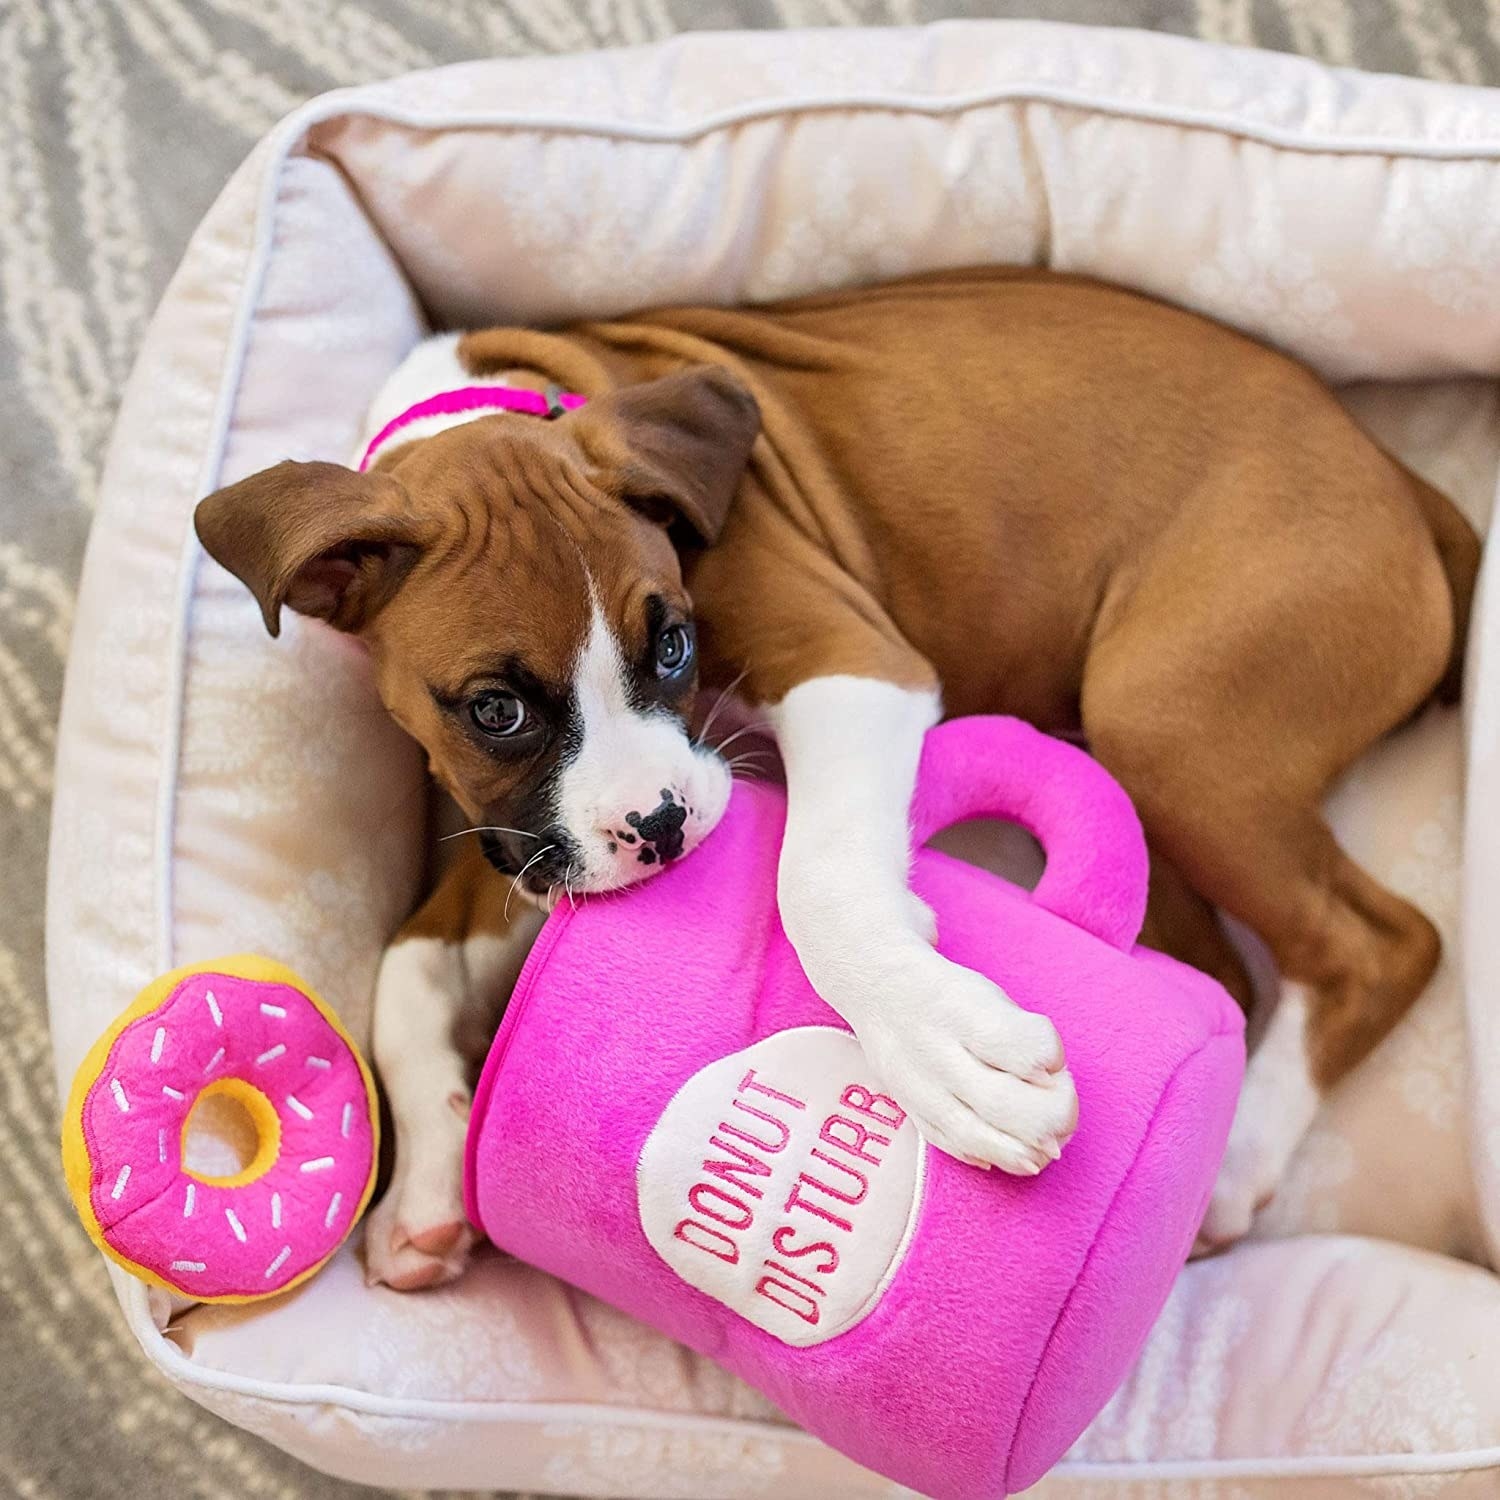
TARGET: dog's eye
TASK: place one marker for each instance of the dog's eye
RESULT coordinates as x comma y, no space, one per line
674,650
498,714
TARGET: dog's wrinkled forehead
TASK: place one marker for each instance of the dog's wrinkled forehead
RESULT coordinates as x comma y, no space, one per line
534,552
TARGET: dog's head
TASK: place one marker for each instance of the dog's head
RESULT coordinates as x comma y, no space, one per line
517,582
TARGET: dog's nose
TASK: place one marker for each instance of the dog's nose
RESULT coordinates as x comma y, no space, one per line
653,837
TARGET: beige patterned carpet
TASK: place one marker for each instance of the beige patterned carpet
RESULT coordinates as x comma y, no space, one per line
119,119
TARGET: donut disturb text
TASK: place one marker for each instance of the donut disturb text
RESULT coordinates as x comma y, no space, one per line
783,1183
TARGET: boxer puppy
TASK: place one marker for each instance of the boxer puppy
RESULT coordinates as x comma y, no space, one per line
985,491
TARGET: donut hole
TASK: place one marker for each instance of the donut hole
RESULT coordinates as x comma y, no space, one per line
231,1135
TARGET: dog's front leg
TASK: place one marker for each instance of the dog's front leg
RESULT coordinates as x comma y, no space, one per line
983,1079
417,1235
456,959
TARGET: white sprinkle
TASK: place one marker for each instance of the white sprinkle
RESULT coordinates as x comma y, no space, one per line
234,1224
187,1202
267,1009
346,1121
118,1090
317,1164
157,1043
161,1145
298,1107
275,1210
319,1062
333,1208
120,1182
272,1053
189,1265
213,1008
279,1262
170,1092
214,1061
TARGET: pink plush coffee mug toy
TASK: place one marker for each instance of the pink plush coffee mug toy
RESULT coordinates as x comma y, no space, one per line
671,1119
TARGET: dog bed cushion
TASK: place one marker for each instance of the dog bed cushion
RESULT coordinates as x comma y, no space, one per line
217,790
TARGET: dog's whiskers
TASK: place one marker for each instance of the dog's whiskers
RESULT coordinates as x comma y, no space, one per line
489,828
519,873
752,758
719,703
763,727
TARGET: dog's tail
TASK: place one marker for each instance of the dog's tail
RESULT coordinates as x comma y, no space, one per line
1458,547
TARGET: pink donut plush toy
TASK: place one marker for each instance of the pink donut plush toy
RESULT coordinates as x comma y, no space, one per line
251,1031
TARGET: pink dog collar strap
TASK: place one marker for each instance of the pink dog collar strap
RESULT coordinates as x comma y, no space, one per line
474,399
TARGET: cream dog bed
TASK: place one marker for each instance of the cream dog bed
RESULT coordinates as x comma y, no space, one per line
218,791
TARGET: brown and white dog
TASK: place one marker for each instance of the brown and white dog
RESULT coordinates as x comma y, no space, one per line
1000,491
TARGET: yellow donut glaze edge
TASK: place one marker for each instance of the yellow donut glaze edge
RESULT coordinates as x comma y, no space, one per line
257,1104
78,1168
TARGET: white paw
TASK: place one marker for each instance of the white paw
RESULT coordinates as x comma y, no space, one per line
415,1238
1272,1114
1248,1177
418,1235
981,1078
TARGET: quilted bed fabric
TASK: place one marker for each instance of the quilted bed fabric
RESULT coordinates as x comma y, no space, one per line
1316,1362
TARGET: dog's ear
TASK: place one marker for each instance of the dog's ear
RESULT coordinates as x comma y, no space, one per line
676,447
317,537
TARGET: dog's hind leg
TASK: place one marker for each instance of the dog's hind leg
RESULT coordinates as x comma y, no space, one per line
1353,956
1226,712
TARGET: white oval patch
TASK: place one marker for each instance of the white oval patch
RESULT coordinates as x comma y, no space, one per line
780,1181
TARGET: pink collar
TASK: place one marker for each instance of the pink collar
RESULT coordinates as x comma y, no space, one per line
474,398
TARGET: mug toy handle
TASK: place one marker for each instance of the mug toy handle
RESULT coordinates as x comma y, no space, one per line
989,767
